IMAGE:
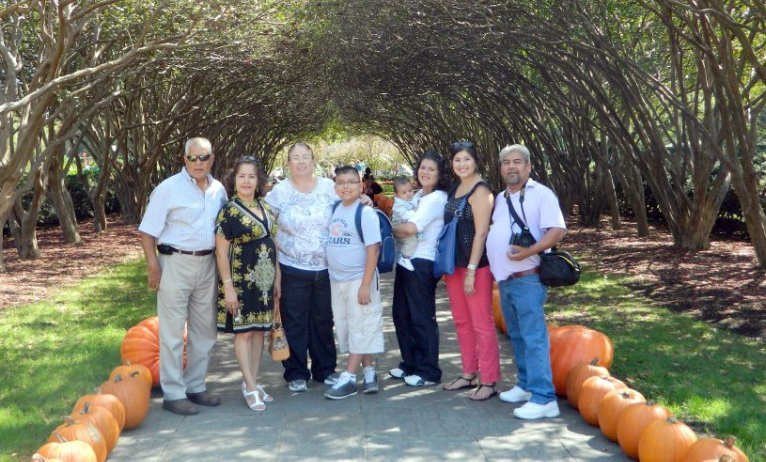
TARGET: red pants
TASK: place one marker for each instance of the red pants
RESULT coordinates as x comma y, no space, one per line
474,324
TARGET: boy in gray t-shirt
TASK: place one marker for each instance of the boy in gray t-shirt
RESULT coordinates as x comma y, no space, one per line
352,264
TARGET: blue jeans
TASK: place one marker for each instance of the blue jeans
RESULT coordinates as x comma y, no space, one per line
522,301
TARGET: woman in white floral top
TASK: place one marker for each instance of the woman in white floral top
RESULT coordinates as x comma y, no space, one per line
303,206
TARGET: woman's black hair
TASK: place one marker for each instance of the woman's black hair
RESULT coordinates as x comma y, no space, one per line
445,177
260,175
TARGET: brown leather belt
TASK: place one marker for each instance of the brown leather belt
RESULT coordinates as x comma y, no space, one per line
521,274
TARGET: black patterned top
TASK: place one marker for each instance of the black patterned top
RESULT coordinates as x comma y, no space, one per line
252,261
465,228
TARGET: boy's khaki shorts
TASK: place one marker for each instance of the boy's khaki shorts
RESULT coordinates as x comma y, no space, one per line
359,327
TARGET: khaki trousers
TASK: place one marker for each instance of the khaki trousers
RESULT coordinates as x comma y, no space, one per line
187,294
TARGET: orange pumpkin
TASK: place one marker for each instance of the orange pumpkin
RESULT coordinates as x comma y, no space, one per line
665,440
103,420
572,345
134,396
713,449
611,406
592,392
109,402
633,420
68,451
134,370
578,375
82,430
141,345
39,458
497,311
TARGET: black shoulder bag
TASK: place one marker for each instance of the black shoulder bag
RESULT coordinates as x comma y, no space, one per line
557,268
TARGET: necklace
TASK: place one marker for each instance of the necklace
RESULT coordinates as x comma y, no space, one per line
247,204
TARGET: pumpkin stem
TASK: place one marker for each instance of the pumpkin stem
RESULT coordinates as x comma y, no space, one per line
118,378
594,361
727,458
135,373
127,362
651,402
672,420
69,421
59,437
729,443
38,458
85,408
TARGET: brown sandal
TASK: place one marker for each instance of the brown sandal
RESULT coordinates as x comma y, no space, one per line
470,383
491,386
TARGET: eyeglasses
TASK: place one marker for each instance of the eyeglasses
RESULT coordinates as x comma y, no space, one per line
343,184
202,158
460,145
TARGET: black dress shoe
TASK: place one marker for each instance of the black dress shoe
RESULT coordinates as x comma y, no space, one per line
180,406
204,398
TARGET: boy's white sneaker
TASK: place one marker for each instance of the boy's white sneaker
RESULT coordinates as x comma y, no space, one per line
515,395
531,411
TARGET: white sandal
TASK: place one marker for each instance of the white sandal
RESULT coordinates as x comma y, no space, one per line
258,404
266,397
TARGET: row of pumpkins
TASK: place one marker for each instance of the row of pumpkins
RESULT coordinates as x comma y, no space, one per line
646,431
90,432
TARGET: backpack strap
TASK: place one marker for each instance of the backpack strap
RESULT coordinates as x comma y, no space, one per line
357,218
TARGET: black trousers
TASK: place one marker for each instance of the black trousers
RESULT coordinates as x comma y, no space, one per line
414,313
307,319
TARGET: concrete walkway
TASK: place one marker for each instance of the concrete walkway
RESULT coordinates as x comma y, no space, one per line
399,423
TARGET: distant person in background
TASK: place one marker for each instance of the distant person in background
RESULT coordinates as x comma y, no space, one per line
250,279
179,223
371,187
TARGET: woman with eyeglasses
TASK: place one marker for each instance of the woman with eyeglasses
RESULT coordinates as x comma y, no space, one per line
250,279
302,205
414,305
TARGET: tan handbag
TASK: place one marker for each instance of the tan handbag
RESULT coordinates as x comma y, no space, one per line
278,347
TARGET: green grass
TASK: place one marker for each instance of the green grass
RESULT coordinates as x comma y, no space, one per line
714,380
53,352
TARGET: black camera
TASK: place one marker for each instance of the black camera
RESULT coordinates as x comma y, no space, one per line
523,239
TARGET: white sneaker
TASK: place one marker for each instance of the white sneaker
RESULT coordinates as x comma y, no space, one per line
531,411
397,373
417,381
515,395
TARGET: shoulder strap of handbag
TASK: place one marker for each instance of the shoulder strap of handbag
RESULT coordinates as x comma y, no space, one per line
464,200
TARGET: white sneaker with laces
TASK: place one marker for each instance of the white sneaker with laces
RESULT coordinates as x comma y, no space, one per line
515,395
397,373
531,411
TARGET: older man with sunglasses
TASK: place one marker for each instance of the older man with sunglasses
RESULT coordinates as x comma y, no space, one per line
179,223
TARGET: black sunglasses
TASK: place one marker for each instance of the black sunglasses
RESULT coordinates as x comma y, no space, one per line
462,145
203,158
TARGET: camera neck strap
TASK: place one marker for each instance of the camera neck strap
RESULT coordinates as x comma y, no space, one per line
512,209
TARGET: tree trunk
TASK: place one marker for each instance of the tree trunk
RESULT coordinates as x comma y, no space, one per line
611,196
630,179
61,201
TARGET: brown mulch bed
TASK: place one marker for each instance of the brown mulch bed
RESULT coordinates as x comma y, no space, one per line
720,285
27,281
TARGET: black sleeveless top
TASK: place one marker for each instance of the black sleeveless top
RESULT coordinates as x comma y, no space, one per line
465,228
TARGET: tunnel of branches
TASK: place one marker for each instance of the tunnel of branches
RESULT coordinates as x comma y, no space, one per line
636,98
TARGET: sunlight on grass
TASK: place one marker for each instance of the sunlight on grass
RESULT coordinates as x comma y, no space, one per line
53,352
711,378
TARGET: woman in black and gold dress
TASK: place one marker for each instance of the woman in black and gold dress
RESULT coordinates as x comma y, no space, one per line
250,279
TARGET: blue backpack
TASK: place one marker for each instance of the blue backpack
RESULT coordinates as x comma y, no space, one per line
387,255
